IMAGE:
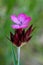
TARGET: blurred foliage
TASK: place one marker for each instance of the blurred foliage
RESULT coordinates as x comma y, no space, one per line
33,8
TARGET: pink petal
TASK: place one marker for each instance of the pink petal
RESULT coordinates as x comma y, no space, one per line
27,20
24,18
14,19
21,17
18,26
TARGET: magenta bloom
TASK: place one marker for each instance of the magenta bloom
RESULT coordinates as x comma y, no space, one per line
21,21
21,35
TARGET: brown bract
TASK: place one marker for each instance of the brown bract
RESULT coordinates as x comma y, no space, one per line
21,36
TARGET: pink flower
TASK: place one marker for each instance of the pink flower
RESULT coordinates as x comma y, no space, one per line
21,35
21,21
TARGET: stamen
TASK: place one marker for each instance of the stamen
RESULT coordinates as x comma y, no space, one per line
20,23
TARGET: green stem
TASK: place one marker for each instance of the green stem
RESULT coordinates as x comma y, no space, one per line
18,50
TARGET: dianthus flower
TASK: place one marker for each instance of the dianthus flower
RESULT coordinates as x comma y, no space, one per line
20,23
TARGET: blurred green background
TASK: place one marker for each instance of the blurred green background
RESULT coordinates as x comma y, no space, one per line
32,52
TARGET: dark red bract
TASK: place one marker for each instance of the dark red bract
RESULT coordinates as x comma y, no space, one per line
21,36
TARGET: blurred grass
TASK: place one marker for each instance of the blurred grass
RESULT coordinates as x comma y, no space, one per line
32,8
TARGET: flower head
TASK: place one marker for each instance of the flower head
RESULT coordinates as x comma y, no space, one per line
21,21
20,36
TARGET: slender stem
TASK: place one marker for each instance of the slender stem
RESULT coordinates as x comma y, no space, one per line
18,50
